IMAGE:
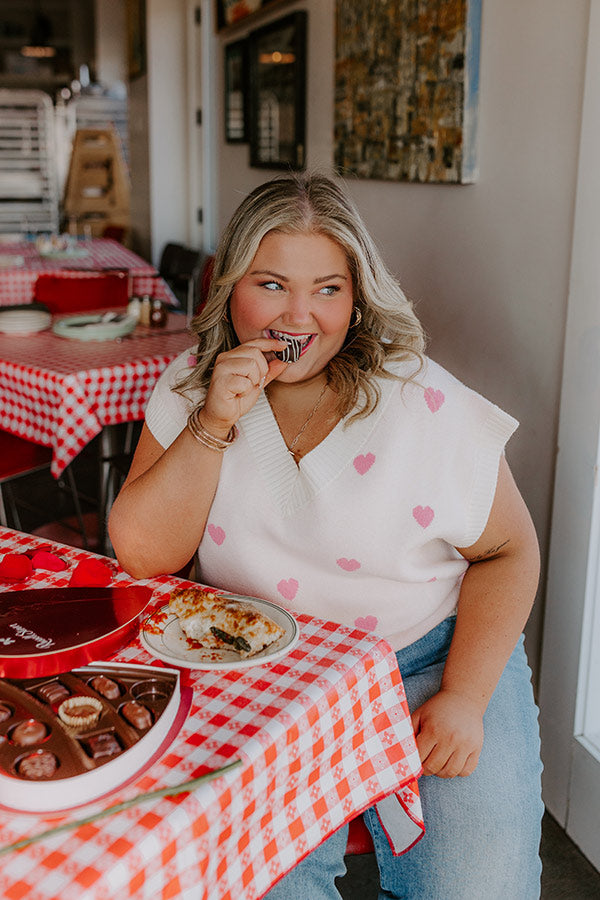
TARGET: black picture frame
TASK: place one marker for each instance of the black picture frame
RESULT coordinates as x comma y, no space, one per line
230,14
237,117
277,55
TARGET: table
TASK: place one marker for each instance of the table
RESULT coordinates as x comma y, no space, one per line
322,733
61,393
20,265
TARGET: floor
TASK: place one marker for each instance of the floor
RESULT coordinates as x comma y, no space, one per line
567,874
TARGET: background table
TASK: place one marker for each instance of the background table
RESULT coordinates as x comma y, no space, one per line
20,265
323,733
61,393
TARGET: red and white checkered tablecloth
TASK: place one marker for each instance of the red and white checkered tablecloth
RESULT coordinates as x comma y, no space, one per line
61,393
323,733
20,265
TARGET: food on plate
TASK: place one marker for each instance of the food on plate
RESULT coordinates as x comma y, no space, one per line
80,712
5,712
219,622
38,765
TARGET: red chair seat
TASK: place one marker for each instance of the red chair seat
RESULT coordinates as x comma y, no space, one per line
359,838
83,291
19,456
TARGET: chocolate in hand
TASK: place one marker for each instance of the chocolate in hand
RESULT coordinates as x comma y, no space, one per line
137,715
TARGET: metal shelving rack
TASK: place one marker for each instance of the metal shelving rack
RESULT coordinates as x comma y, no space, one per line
29,199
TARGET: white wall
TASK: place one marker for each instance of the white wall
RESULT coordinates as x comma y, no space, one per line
488,263
167,122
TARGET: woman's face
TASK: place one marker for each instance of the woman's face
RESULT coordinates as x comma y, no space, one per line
299,285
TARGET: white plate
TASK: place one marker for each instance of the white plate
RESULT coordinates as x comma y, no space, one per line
93,328
19,321
161,636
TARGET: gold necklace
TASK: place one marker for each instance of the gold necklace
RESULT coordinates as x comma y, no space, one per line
292,444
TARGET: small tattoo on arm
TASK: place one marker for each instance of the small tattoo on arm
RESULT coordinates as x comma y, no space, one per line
491,553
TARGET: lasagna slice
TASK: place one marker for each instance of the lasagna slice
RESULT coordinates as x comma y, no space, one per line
223,623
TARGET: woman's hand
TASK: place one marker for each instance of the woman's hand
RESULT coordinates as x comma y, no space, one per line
449,732
237,379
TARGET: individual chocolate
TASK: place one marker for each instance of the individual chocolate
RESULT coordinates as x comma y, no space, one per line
291,353
28,732
106,686
80,712
53,692
5,712
101,745
38,765
137,715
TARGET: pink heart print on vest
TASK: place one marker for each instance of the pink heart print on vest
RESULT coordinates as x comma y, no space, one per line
423,515
288,589
434,399
217,534
348,565
366,623
363,462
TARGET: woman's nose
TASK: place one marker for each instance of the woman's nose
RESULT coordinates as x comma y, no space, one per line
299,308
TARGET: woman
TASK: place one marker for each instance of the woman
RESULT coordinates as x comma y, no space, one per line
310,454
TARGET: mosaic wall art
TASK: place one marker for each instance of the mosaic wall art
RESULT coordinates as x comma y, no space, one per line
406,89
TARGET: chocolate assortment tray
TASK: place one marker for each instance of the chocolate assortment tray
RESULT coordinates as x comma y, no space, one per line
73,737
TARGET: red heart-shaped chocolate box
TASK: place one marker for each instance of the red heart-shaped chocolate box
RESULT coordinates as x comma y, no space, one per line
49,630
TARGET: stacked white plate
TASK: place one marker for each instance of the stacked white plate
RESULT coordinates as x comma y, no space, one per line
24,321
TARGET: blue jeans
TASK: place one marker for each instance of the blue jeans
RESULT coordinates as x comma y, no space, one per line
483,831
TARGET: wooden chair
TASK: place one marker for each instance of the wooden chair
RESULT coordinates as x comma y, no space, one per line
82,291
19,457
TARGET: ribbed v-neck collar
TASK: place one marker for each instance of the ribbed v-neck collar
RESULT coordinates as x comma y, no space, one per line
293,486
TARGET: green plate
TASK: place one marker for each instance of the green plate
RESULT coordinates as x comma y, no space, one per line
93,328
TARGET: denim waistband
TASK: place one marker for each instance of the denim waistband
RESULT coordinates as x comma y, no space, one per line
429,650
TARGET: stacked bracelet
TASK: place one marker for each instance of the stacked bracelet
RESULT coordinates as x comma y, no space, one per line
204,437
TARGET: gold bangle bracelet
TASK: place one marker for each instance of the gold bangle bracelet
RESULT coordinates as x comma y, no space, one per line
207,439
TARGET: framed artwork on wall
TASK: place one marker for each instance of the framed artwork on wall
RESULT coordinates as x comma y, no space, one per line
230,13
407,89
277,54
236,92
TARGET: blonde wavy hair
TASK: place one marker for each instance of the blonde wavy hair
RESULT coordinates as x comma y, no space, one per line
312,203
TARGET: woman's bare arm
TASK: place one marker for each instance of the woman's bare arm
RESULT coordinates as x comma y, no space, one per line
495,600
159,517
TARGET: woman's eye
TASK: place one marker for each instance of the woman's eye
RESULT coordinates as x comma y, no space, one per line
271,285
329,290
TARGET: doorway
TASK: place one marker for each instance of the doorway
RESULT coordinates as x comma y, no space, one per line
570,670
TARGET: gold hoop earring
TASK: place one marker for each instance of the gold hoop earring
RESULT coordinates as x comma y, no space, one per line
357,317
